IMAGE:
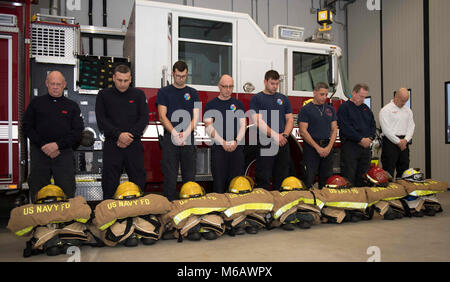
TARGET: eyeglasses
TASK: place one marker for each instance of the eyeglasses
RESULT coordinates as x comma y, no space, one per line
226,86
53,84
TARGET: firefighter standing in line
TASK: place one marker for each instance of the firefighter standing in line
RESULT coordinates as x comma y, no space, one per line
273,159
225,123
398,125
357,129
317,122
122,115
53,123
179,115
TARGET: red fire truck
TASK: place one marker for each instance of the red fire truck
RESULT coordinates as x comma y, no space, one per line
211,42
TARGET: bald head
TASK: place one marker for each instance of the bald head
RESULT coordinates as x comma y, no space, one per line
226,85
401,97
55,83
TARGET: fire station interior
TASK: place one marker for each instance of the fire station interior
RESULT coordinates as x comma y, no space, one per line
387,45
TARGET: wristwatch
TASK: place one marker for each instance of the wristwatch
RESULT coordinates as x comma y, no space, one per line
285,135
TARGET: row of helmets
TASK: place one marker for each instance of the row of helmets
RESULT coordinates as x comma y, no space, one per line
238,185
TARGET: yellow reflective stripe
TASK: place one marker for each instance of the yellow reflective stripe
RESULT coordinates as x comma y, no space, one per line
250,206
82,220
285,208
105,226
29,228
423,192
352,205
24,231
370,204
392,198
198,211
310,201
386,199
288,206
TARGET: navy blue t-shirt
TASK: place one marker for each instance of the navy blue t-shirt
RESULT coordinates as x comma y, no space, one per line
268,105
178,99
226,115
319,118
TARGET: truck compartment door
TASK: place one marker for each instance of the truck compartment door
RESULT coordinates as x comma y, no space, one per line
6,124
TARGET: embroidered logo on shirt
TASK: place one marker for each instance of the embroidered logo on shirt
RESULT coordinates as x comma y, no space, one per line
187,97
233,107
131,101
328,112
64,112
279,101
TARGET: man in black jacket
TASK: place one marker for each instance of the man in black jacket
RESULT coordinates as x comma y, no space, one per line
357,129
122,116
53,123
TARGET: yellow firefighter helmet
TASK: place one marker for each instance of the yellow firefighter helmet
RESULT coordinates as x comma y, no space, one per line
240,185
292,183
191,189
127,190
50,193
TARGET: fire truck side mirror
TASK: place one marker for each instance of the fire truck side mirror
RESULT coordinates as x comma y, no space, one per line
248,87
333,70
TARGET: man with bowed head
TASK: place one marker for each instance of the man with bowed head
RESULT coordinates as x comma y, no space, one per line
271,111
122,115
357,129
318,127
225,122
53,123
397,125
178,112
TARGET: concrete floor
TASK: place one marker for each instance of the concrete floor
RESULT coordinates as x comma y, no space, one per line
408,239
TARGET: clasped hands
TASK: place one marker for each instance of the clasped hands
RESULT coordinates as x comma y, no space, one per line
124,140
51,150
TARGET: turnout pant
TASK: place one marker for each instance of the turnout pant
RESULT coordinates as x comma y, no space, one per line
392,158
172,157
115,159
315,164
42,168
355,161
276,167
225,166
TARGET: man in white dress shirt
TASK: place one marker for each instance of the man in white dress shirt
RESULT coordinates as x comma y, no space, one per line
397,124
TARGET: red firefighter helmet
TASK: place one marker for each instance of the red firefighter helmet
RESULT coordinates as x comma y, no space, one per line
377,176
337,181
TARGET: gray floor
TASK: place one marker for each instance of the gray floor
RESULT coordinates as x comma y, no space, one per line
408,239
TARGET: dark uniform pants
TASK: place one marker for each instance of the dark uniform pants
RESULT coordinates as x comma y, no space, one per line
314,164
276,167
42,168
355,161
115,159
392,158
225,166
172,157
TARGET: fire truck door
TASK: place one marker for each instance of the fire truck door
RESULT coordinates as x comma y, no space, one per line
6,125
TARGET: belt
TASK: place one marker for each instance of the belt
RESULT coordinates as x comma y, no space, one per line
322,142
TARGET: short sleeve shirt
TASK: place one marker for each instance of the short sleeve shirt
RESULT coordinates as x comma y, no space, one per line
226,115
273,109
180,104
319,119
